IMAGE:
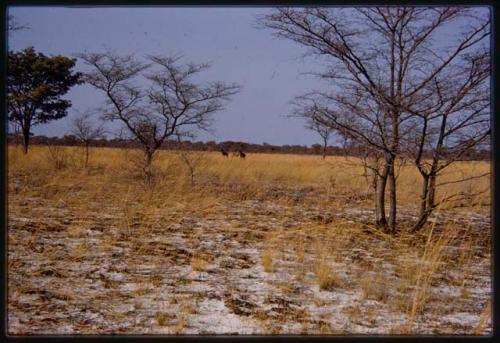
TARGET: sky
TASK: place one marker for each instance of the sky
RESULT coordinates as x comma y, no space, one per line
270,70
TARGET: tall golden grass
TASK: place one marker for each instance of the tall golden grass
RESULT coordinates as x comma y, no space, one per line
257,172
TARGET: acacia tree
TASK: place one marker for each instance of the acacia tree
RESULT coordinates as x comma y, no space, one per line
35,84
364,128
171,104
452,120
86,130
382,61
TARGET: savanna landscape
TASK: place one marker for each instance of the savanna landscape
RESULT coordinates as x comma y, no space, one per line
391,236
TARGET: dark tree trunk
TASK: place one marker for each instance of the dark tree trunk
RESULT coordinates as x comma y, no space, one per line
429,191
380,197
86,154
26,139
392,198
375,181
427,201
424,211
148,165
432,191
423,196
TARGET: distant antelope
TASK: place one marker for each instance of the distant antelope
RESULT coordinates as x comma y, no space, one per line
224,153
241,154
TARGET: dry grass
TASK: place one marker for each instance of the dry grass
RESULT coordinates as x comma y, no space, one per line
334,174
483,319
267,260
300,218
198,263
430,262
327,279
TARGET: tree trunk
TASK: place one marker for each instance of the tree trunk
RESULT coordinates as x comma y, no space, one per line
392,198
16,133
380,197
375,180
424,211
325,145
423,196
26,139
148,165
86,154
432,191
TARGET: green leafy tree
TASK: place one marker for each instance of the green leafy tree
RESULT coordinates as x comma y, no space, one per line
35,84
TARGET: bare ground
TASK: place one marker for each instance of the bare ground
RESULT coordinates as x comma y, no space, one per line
238,267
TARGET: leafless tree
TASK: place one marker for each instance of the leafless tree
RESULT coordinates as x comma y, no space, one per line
15,130
323,131
452,120
13,25
172,104
86,130
382,62
193,160
58,156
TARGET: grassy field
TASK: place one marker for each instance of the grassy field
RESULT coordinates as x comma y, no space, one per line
272,244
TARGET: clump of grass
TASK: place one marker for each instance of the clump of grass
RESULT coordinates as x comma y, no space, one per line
164,318
181,324
431,260
483,319
58,156
327,278
366,285
79,252
185,309
174,300
325,328
156,280
198,264
397,329
464,292
353,313
300,251
226,263
375,287
267,260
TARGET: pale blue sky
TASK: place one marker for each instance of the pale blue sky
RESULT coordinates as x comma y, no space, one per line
267,68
